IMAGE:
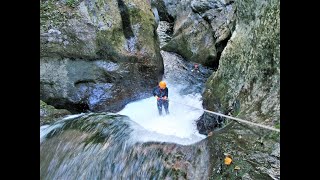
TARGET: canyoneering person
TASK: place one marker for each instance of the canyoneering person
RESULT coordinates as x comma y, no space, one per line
195,68
161,93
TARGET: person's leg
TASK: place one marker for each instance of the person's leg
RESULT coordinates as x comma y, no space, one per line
159,104
166,106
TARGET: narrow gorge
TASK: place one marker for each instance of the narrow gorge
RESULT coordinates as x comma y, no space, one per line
100,60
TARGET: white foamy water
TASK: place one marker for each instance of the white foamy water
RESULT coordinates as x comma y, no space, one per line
45,129
178,127
72,116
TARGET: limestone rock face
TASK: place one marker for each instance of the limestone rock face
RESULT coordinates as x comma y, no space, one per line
201,28
248,78
97,55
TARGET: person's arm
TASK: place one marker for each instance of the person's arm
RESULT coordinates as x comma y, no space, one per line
165,94
155,93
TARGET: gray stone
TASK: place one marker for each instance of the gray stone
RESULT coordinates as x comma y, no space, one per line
201,29
246,176
49,114
276,150
249,68
75,40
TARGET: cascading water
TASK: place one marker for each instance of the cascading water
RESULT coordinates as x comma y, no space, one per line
135,143
104,146
179,126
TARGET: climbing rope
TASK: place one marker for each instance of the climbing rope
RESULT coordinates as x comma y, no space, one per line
230,117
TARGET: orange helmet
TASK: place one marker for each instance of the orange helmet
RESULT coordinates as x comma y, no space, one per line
162,84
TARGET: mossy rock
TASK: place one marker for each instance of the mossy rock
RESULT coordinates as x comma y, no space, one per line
249,68
49,114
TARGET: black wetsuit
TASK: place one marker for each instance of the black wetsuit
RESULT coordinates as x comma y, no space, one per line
157,91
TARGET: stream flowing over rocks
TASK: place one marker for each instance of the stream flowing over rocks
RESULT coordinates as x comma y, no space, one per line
100,60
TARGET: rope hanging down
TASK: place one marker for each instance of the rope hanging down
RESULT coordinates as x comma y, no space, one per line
230,117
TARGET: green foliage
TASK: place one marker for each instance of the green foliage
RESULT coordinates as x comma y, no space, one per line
72,3
277,125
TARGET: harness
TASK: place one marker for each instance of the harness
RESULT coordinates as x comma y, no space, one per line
161,92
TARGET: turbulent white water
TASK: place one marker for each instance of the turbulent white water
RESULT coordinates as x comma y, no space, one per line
178,127
45,129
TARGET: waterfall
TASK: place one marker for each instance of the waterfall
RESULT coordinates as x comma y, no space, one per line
135,143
